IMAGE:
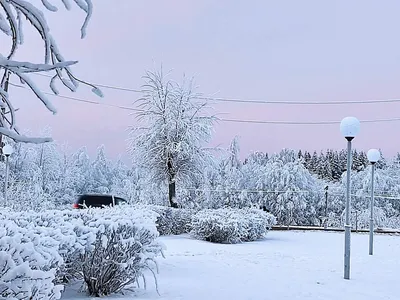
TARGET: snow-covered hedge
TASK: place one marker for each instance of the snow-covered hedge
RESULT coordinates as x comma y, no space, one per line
28,263
172,221
108,248
227,225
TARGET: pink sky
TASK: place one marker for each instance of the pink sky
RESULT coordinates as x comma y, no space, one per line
308,50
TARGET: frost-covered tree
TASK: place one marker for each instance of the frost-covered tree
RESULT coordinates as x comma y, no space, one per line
49,162
292,194
257,157
101,173
175,128
234,194
13,15
78,174
385,182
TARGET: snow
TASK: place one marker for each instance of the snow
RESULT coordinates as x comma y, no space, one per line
285,265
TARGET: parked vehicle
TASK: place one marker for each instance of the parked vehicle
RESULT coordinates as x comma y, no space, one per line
94,200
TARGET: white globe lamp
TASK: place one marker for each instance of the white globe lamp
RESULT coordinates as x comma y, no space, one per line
350,127
373,155
7,150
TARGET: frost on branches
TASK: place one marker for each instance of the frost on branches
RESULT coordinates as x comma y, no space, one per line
12,15
175,127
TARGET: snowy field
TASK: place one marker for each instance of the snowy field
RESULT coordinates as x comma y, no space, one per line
285,265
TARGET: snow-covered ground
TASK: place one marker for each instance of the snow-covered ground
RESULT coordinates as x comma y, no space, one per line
285,265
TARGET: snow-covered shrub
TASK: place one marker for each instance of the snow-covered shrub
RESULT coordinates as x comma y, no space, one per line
68,229
393,222
108,248
172,221
28,263
125,247
227,225
258,223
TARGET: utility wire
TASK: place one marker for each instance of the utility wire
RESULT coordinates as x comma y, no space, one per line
255,101
81,100
219,119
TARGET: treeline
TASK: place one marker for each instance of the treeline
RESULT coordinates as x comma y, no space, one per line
330,164
290,184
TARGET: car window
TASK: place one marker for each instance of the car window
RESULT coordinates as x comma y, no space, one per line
99,201
120,201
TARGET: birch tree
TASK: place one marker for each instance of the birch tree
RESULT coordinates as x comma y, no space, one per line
175,127
12,15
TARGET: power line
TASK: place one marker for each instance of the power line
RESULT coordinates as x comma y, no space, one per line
285,102
111,87
220,119
256,101
306,123
81,100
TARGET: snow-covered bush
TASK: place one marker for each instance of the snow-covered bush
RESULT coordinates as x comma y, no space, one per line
122,251
360,219
227,225
172,221
258,223
393,222
113,246
28,262
68,229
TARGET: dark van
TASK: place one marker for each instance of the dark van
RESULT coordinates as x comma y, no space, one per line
94,200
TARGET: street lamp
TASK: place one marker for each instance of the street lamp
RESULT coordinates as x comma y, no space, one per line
373,156
349,127
7,151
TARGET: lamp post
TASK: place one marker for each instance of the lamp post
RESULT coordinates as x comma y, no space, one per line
7,151
349,127
373,156
326,208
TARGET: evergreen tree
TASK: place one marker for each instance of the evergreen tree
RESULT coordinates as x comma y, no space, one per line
300,155
314,163
382,163
335,166
307,160
321,165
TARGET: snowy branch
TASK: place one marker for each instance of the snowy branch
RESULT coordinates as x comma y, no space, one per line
12,13
28,67
22,138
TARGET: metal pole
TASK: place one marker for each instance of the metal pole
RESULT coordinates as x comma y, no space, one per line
347,225
371,219
326,208
6,182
